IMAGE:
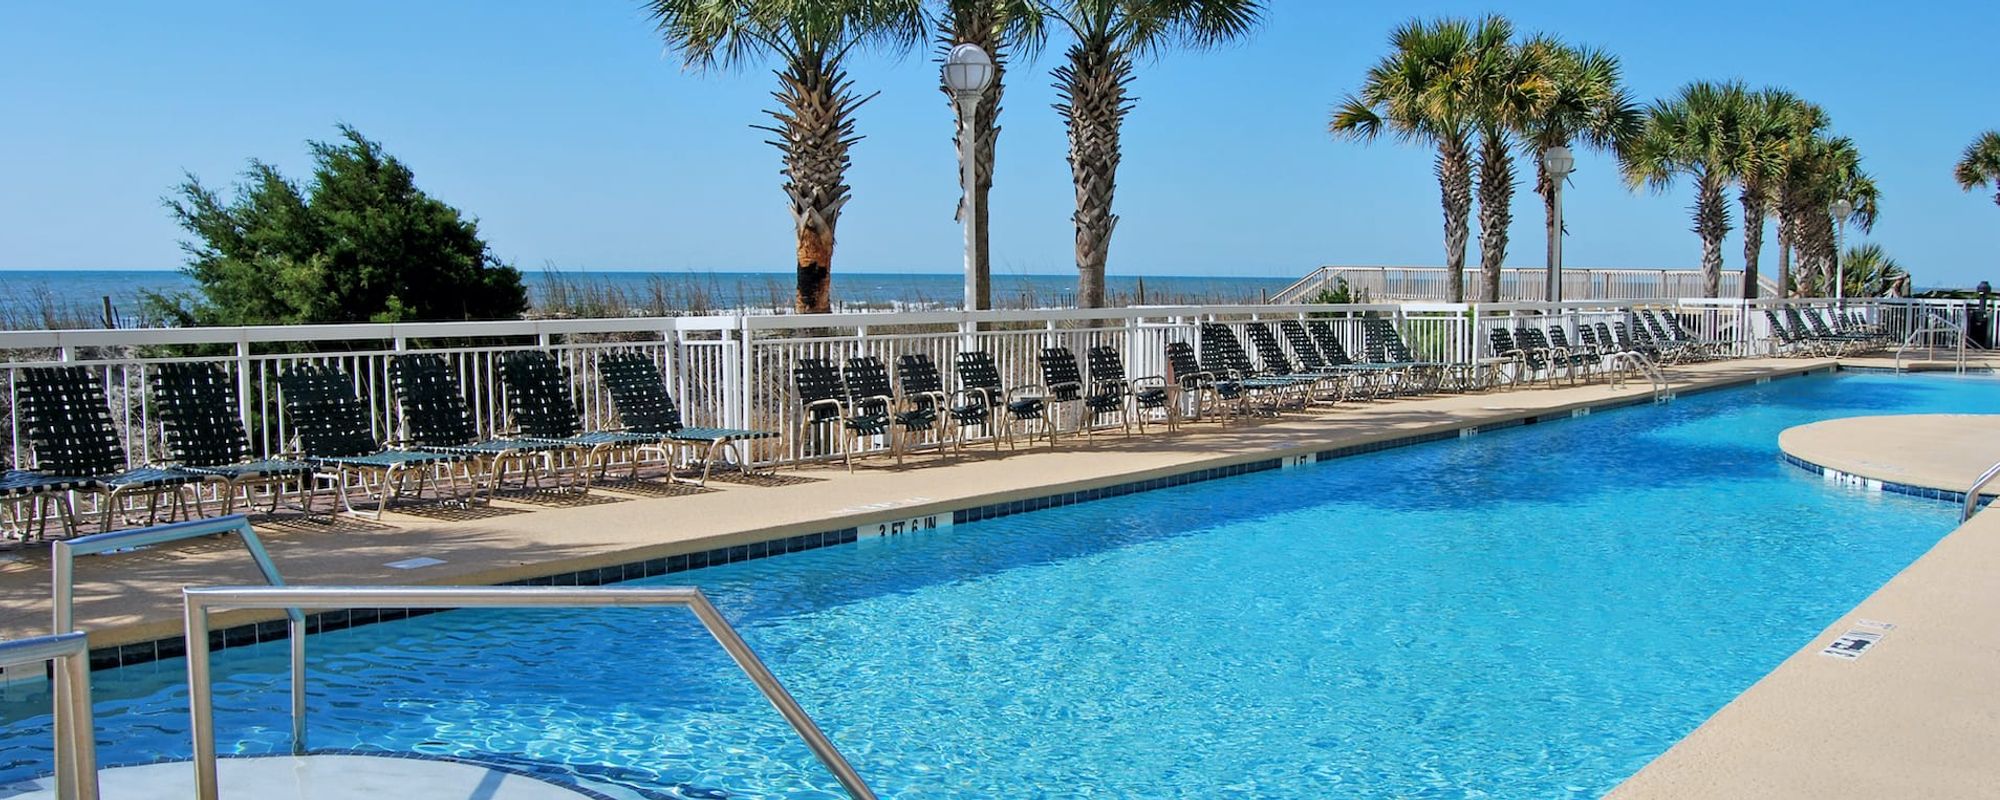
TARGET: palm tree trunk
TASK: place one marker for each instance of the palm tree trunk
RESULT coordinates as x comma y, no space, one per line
1091,88
815,129
1454,172
1496,212
1753,237
980,24
1784,252
1711,223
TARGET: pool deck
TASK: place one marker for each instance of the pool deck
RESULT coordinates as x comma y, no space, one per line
1922,451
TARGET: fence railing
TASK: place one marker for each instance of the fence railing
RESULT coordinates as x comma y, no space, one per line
736,371
1403,284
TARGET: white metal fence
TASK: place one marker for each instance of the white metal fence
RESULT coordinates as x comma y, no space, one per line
1429,284
736,371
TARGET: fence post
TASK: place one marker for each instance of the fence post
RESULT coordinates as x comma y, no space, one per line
746,366
243,378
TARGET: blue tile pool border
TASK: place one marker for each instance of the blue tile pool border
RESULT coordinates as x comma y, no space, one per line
322,622
1878,485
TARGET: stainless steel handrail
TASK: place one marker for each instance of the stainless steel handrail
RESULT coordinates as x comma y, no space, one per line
1972,494
200,601
76,740
1944,326
63,556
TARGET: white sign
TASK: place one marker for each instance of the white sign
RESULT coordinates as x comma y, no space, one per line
898,527
414,563
1852,644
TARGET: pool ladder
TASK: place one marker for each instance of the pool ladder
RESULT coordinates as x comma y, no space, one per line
1972,494
76,773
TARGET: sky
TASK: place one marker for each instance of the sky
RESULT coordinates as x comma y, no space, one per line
579,142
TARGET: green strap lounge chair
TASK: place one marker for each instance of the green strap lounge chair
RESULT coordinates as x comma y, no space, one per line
922,387
544,409
638,391
827,402
1198,388
1533,341
203,432
333,432
1320,383
1137,397
1510,359
45,496
1025,406
1369,379
67,418
869,396
1063,380
436,419
1384,345
1223,354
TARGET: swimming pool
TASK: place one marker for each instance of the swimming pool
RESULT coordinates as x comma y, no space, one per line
1535,612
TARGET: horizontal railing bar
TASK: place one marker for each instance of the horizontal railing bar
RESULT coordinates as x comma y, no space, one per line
43,649
263,597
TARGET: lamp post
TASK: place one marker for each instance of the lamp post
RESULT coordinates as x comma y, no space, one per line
1558,162
967,72
1841,209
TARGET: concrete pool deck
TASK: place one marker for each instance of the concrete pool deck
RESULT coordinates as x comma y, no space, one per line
1925,451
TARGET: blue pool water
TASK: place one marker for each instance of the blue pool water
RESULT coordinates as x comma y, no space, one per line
1533,613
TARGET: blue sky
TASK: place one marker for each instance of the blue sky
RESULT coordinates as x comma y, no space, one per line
579,143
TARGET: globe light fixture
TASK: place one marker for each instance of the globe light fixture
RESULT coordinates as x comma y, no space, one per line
967,73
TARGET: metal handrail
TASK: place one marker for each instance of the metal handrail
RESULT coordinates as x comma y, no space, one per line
1945,326
75,737
63,588
1972,494
200,600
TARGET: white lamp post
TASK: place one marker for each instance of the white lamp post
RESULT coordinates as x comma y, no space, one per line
967,72
1558,161
1841,210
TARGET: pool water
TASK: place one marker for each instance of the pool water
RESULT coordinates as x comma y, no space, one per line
1532,613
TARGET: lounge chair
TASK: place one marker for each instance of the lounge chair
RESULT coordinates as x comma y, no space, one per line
639,392
543,408
1574,366
922,385
1063,382
203,432
46,494
1318,382
1385,345
979,378
1109,387
869,394
334,434
1582,355
1508,353
1368,380
1223,355
435,419
67,418
1314,359
1199,385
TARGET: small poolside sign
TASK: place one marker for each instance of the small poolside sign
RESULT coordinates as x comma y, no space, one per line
1853,643
898,527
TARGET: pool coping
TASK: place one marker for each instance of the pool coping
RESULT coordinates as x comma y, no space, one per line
743,545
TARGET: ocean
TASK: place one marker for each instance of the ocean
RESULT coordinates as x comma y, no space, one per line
28,296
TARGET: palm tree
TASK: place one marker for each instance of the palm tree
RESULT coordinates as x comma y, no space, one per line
1981,164
1514,84
1110,37
998,27
1589,106
1825,169
1425,91
1872,272
1691,134
1769,125
810,39
1805,126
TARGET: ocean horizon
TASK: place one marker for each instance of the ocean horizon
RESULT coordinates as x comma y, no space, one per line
29,294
